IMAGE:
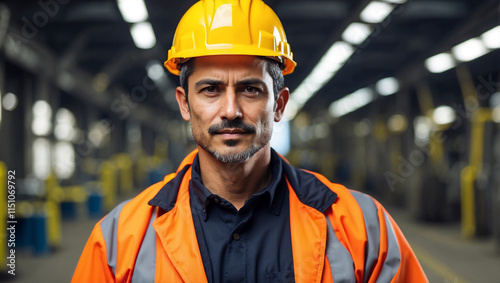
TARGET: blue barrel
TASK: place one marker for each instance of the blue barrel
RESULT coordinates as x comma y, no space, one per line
69,210
40,240
95,205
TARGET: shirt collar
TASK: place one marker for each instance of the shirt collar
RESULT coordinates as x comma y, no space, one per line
275,188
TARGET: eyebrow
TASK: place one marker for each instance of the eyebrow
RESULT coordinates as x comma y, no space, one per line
250,81
207,82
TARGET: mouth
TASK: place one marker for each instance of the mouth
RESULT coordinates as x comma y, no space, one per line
231,133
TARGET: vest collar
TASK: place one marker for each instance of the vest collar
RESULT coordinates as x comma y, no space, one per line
308,188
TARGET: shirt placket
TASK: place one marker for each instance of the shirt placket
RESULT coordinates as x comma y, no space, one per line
236,253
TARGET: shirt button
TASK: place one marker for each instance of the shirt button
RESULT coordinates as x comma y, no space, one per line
216,200
236,236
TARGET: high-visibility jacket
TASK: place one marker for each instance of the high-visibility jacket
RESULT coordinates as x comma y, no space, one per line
353,240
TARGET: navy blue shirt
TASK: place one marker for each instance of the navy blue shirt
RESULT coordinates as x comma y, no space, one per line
249,245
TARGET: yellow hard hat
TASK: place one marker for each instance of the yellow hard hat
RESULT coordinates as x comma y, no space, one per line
224,27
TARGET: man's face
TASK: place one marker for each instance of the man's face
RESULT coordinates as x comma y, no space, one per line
231,106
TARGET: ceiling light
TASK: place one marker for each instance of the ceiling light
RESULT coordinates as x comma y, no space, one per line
155,71
469,50
423,127
495,100
41,158
491,38
326,68
387,86
356,33
42,109
443,115
440,63
9,101
376,12
133,11
395,1
496,115
143,35
351,102
397,123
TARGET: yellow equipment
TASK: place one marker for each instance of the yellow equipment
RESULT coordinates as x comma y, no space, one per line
222,27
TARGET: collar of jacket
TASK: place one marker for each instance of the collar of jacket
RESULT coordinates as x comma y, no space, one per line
310,191
310,199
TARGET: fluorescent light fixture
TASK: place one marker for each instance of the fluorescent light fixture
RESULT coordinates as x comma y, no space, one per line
133,11
491,38
64,160
397,123
143,35
387,86
42,117
496,115
376,12
469,50
327,67
395,1
41,158
65,121
42,109
356,33
351,102
423,127
155,71
9,101
495,100
440,63
443,115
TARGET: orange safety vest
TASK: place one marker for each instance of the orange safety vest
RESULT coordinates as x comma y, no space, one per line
353,240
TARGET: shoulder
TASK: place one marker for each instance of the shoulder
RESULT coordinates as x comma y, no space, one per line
136,209
348,200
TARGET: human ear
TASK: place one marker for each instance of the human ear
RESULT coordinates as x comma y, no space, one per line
283,96
180,95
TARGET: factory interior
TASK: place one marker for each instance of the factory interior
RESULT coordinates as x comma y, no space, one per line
399,99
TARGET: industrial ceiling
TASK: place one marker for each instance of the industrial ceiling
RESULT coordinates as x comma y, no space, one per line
93,37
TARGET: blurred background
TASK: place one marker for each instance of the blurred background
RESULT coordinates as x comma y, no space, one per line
398,99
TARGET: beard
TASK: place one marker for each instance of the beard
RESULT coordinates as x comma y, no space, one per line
238,157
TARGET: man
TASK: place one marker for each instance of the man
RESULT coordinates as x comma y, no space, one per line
235,211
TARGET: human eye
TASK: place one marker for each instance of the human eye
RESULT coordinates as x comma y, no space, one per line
251,90
210,90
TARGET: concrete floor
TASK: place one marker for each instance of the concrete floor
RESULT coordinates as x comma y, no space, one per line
444,255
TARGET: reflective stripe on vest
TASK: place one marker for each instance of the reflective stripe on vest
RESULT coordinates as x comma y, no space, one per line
145,265
341,263
109,226
339,258
393,257
372,226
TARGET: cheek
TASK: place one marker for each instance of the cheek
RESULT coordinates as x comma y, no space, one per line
201,117
266,119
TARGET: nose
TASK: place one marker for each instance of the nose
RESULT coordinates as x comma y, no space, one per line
230,106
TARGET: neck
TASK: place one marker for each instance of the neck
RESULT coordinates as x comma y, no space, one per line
236,182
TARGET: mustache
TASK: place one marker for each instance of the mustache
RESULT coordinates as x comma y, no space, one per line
231,124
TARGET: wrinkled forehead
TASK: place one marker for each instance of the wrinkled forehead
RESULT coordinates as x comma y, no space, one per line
230,62
231,66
